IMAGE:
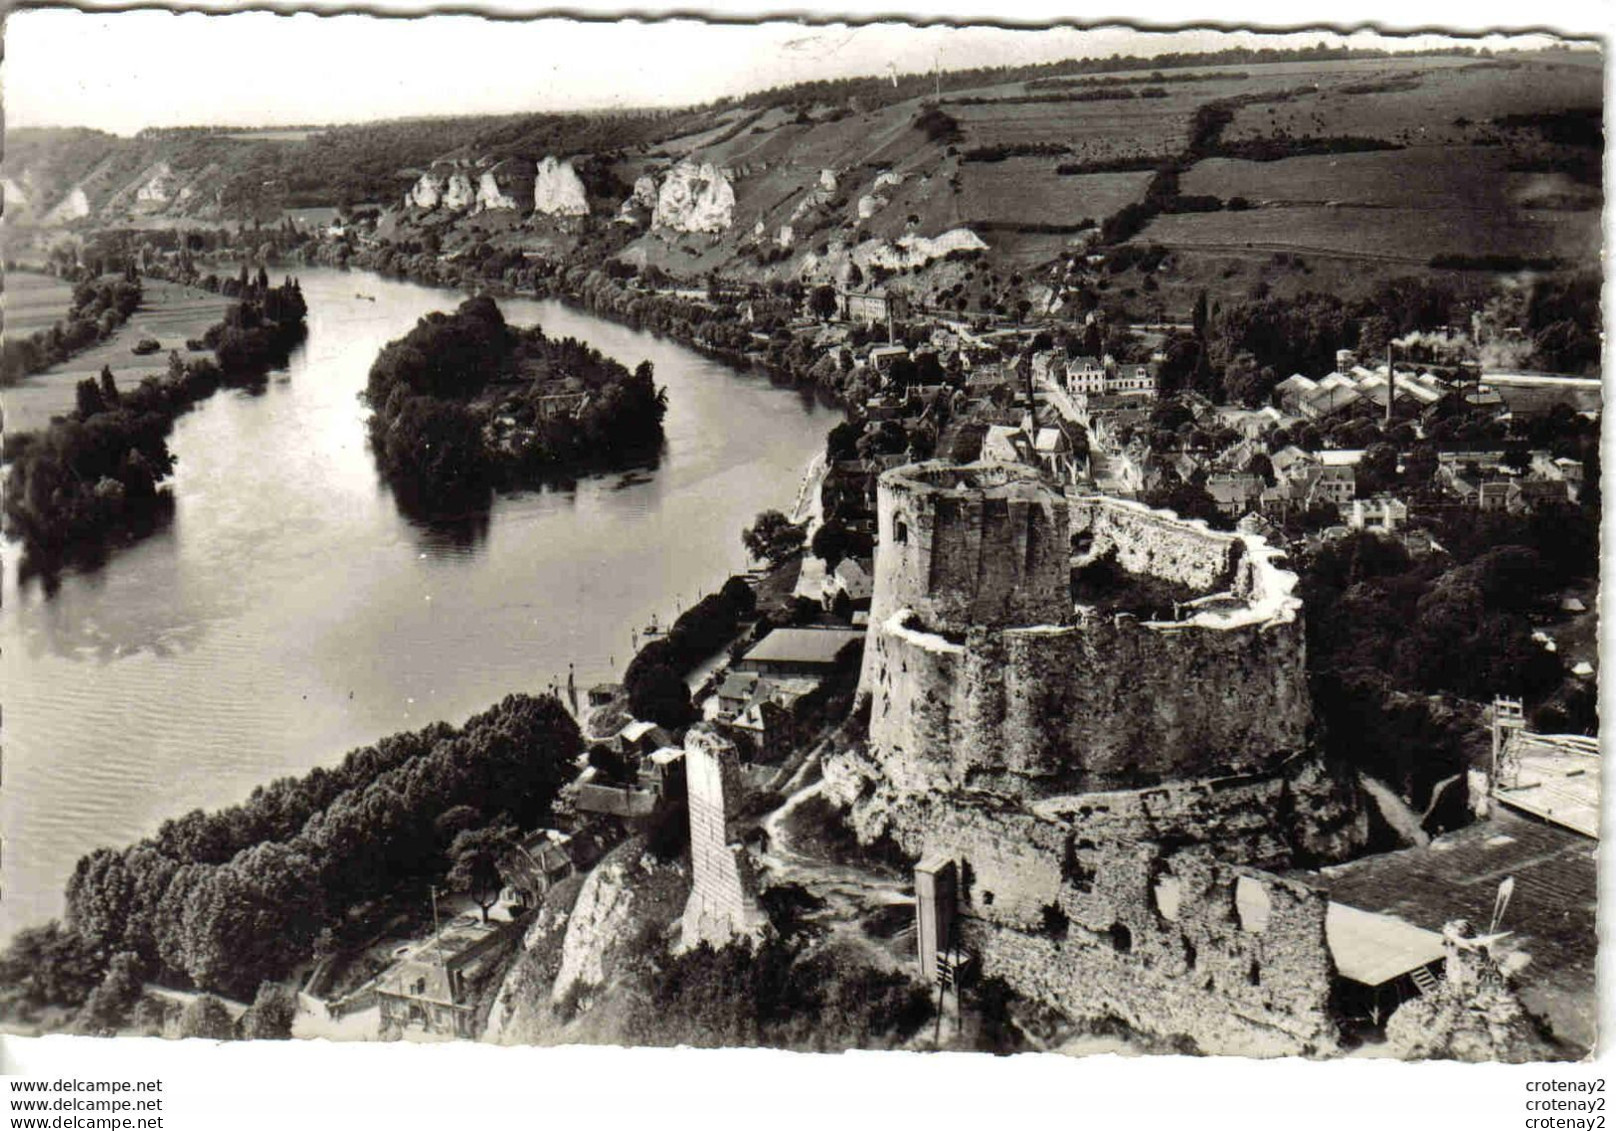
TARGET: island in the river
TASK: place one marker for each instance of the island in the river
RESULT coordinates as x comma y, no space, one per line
464,403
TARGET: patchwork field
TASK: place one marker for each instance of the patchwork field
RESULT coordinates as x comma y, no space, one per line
1465,178
1022,190
33,302
171,313
1399,235
1423,102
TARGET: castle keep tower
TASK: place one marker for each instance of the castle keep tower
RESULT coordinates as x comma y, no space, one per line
985,544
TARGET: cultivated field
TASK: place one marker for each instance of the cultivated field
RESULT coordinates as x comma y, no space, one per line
33,302
1021,190
171,313
1424,103
1464,178
1394,235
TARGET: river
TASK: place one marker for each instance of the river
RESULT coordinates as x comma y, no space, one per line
291,612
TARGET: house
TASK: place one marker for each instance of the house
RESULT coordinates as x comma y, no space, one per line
1494,495
431,989
737,690
853,579
1049,365
1235,494
540,861
1292,393
1085,374
1382,513
639,738
881,358
1336,484
1005,443
1053,450
870,306
658,781
1530,494
799,651
1133,379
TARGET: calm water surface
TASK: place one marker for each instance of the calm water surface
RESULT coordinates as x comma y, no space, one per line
291,612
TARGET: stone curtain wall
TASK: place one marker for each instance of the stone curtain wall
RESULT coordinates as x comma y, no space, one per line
723,892
1155,543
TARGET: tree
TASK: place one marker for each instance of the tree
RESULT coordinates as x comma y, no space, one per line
830,541
476,854
269,1017
822,302
89,399
205,1016
1377,471
772,537
658,692
107,1008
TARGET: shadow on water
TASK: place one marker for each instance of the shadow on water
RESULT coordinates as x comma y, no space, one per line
86,556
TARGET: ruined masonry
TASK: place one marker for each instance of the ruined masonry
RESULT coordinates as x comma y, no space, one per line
1110,788
723,892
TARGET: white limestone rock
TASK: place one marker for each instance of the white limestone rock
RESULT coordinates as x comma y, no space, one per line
458,192
427,191
558,191
74,206
915,251
506,187
695,198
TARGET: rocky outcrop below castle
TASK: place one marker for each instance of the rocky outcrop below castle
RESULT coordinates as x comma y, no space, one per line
694,198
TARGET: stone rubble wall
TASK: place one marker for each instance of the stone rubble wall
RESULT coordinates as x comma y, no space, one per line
1106,703
1158,941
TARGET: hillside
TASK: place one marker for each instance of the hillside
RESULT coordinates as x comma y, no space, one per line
1290,172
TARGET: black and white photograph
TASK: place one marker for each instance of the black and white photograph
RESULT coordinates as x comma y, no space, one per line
958,540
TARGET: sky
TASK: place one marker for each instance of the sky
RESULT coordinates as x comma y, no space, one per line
125,71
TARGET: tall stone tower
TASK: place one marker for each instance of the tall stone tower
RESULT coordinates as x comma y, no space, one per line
723,890
983,544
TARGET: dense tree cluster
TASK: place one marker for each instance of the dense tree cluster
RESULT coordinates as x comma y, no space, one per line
229,899
654,679
437,391
96,474
1387,631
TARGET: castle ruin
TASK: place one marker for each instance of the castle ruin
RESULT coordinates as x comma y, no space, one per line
1110,776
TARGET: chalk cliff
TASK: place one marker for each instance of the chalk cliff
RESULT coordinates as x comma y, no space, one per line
695,198
557,190
506,187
